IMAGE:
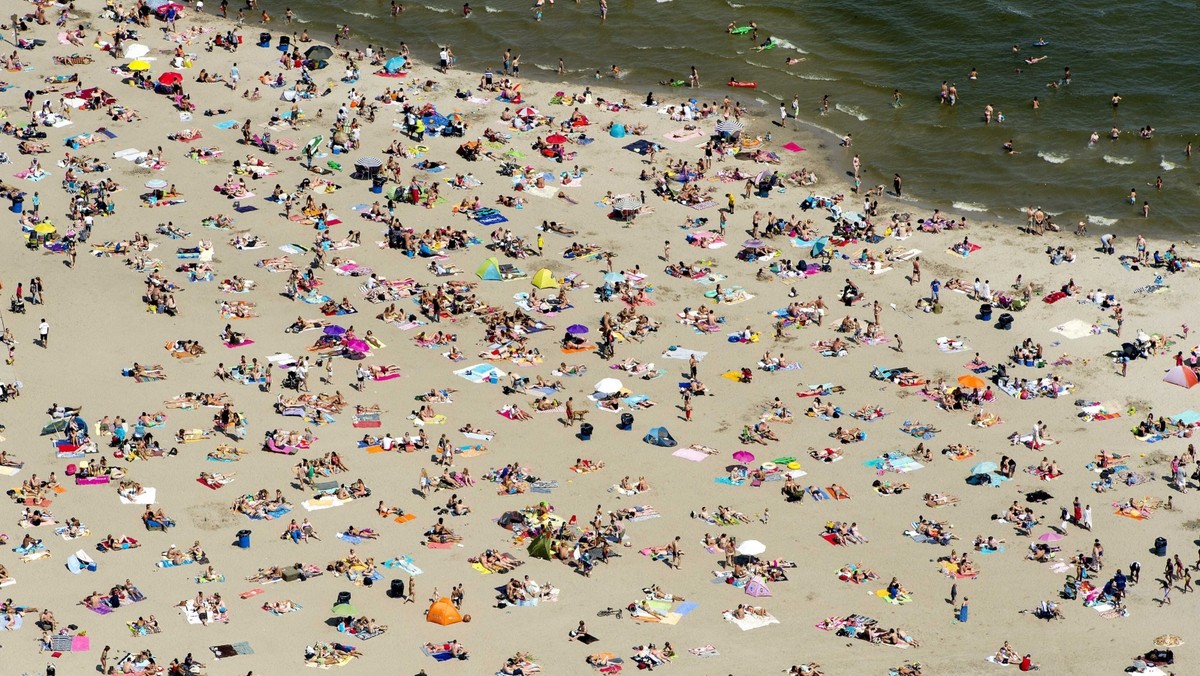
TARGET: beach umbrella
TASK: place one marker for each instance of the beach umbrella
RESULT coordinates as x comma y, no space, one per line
751,548
1050,536
628,203
608,386
971,381
156,183
135,50
344,610
368,162
730,126
984,468
313,144
138,66
318,53
743,456
528,111
577,329
395,64
56,425
753,244
556,139
43,228
170,77
357,346
334,330
614,277
730,468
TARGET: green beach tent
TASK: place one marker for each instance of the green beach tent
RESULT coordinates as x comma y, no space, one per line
490,270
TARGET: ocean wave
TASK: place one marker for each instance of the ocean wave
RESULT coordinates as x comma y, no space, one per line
780,42
367,15
491,10
852,112
1005,7
439,10
969,206
1100,220
814,76
1167,166
1052,158
1113,159
734,4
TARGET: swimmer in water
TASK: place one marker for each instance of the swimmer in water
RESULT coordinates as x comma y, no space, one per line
1035,59
1008,148
793,60
1094,138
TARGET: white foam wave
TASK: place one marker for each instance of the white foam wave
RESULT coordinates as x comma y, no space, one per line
734,4
1167,166
780,42
491,10
814,76
969,206
1052,158
1100,220
1013,10
1113,159
852,112
439,10
367,15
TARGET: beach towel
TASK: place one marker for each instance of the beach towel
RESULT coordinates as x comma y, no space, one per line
146,498
750,621
683,353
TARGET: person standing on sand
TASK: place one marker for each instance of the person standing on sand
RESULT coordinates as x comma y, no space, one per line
897,182
916,271
695,78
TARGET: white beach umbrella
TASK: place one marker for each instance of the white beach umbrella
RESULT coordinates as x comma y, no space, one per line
608,386
135,50
751,548
627,204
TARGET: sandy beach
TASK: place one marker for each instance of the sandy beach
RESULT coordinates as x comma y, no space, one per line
103,316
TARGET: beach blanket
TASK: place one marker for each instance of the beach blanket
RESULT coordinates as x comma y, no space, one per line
146,498
750,621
